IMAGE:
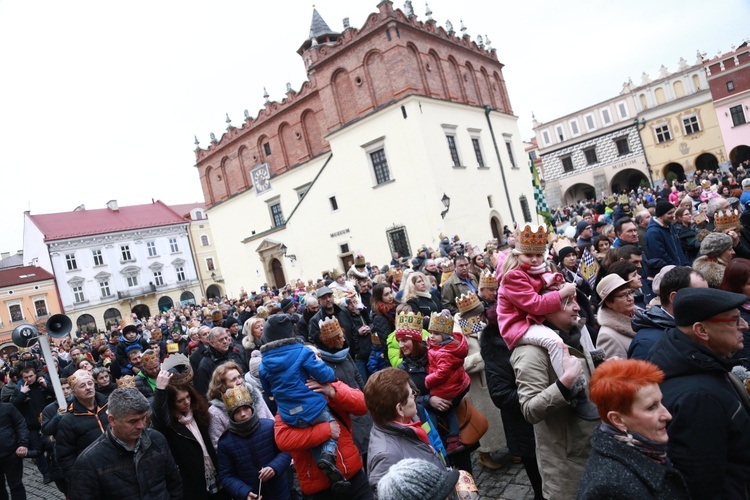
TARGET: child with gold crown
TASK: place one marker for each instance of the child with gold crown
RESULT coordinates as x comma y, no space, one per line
521,307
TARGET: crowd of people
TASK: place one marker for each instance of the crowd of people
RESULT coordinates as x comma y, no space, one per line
610,360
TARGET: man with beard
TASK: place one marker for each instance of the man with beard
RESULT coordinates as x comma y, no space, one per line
145,381
329,309
460,283
306,312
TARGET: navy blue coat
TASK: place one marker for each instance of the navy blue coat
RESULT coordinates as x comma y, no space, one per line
663,247
649,326
242,458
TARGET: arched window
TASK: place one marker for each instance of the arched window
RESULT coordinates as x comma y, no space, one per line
204,240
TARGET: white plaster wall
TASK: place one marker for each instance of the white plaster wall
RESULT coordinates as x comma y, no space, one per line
34,246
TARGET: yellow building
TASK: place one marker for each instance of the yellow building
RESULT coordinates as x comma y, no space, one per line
677,122
28,295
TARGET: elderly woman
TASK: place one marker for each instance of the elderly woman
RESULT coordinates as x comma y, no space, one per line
737,280
616,309
227,376
716,252
397,433
629,272
629,449
181,414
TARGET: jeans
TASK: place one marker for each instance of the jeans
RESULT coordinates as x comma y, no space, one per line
362,367
329,446
11,470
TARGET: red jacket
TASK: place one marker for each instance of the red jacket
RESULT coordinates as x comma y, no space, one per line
446,377
298,441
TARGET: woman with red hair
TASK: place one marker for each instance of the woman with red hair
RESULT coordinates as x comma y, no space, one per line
737,279
629,449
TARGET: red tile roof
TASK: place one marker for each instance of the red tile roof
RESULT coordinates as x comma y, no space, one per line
23,275
102,221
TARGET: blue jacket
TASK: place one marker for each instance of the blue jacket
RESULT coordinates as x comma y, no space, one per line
663,247
285,367
242,458
649,326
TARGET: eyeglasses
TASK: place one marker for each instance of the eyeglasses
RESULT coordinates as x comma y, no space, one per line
725,320
623,295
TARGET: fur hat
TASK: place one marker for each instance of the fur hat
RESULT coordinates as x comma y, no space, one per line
277,327
415,479
715,244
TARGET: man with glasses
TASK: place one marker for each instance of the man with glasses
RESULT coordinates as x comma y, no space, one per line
709,435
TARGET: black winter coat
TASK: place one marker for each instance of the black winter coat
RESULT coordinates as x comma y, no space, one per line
78,428
107,470
31,403
649,326
616,470
186,450
345,320
208,364
426,306
382,327
13,431
709,435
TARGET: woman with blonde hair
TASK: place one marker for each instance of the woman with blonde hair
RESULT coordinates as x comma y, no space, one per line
227,376
417,295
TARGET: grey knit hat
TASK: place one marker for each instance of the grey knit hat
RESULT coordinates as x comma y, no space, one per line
415,479
715,244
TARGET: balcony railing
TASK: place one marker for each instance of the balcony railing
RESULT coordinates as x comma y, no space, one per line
136,292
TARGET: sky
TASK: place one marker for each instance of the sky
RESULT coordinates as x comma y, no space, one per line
101,100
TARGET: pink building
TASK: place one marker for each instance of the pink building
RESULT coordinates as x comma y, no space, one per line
729,79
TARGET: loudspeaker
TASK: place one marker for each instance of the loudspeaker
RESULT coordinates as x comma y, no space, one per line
59,326
25,335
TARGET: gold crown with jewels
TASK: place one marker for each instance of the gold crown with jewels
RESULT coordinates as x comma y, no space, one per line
237,397
409,322
725,220
487,280
441,322
467,302
532,241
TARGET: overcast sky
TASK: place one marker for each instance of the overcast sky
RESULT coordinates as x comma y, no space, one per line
100,100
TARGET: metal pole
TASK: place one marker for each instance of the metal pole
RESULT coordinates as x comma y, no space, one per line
487,110
54,377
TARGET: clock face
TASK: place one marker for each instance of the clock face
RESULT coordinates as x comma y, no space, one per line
261,178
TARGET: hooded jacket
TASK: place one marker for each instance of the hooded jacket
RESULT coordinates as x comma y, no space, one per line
663,247
649,326
709,435
446,375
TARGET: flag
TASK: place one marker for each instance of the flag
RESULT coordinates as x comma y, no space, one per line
539,199
588,268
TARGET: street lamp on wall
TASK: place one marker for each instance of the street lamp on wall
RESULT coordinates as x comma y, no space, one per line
446,203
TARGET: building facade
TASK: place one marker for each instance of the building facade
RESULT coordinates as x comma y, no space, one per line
28,295
397,120
110,262
729,79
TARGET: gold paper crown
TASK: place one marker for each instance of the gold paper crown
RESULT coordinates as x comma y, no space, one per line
127,322
148,357
359,260
237,397
491,245
335,274
329,328
78,376
623,199
179,366
487,280
561,243
467,302
609,200
396,274
125,381
532,241
690,186
441,322
725,220
447,266
216,315
156,335
409,322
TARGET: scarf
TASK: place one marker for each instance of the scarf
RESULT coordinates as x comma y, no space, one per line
212,486
416,426
650,449
334,357
426,295
246,428
389,311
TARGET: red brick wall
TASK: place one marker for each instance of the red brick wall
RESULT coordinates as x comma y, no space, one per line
739,75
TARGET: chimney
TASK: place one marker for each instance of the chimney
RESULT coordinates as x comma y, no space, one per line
79,208
4,255
112,205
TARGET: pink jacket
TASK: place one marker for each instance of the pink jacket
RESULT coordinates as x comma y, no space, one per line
446,377
519,305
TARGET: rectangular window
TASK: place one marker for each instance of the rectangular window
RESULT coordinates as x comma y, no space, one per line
560,132
70,260
567,163
334,203
738,115
132,280
380,166
509,147
15,313
622,110
454,150
104,287
525,208
623,147
277,215
691,125
267,149
662,133
606,117
158,278
398,240
151,247
125,251
180,273
41,308
545,137
78,295
590,122
98,258
344,248
173,245
210,264
478,152
574,129
590,156
204,240
730,86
